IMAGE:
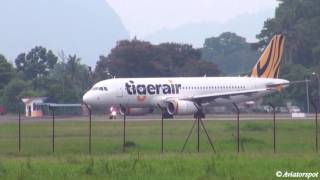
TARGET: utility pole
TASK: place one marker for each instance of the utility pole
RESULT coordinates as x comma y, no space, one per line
307,92
317,76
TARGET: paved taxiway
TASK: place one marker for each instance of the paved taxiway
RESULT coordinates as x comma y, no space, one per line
153,117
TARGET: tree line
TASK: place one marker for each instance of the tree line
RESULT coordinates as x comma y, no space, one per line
39,73
64,79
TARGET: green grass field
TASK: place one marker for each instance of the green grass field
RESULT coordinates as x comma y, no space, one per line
143,160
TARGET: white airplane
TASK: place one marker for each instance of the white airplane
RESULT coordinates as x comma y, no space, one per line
187,95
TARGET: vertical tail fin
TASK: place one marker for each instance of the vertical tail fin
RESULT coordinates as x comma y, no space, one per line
269,63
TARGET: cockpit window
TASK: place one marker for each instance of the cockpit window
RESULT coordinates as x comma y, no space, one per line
99,89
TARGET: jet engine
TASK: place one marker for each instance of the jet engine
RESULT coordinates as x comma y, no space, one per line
135,111
181,107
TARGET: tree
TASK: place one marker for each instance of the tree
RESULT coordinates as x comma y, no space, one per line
37,63
142,59
299,22
14,91
72,66
6,72
67,81
230,52
128,59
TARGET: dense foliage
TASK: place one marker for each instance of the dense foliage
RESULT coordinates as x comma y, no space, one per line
142,59
299,21
230,52
6,72
38,73
37,63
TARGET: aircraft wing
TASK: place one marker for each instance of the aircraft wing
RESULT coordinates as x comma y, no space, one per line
227,95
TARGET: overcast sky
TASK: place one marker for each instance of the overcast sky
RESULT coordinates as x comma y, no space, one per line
144,17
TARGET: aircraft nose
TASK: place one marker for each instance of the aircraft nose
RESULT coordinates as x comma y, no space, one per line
87,98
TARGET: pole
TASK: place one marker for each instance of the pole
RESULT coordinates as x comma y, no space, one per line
209,139
124,133
238,131
90,129
307,92
191,130
198,145
19,131
316,120
316,123
198,120
53,126
274,130
162,133
274,127
238,128
318,79
318,103
162,119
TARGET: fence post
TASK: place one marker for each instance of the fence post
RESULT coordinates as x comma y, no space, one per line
90,128
238,127
316,122
53,127
162,119
316,119
124,133
90,121
274,127
198,134
19,130
162,132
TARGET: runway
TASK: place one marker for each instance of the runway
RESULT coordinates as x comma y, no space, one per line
155,117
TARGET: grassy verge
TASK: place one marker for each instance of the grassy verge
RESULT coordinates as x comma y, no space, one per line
156,166
295,151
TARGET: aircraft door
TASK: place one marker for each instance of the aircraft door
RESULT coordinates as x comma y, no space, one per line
120,92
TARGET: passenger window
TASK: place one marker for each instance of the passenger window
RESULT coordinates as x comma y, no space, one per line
100,88
105,88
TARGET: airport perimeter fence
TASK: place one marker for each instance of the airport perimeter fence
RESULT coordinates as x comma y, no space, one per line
98,135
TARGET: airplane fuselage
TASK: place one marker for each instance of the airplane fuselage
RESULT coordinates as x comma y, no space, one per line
153,92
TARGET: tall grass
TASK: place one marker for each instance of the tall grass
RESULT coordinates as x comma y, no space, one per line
156,166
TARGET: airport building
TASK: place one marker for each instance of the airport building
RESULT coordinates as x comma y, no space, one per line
31,107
